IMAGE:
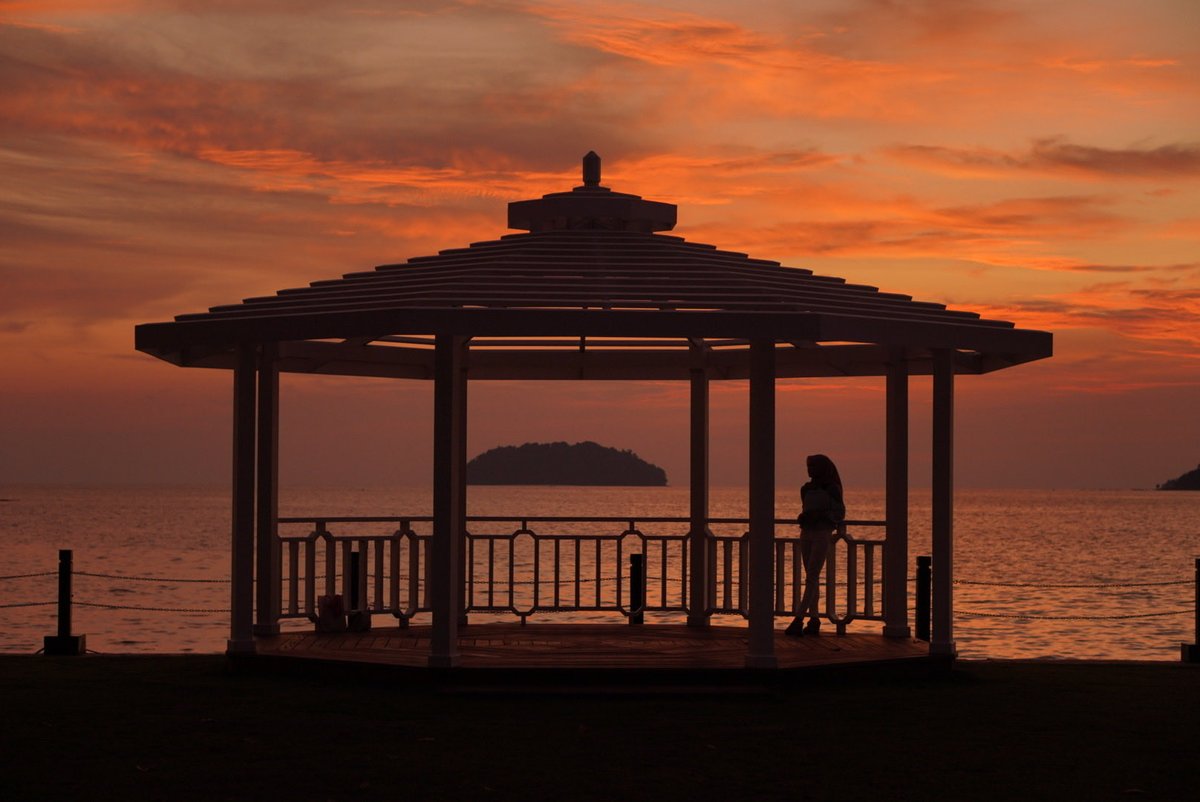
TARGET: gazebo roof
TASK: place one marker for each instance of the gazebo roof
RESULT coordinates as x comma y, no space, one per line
591,292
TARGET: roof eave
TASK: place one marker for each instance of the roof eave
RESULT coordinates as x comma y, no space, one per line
209,343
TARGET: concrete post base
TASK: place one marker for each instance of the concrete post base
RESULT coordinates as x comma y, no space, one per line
761,661
240,646
947,649
64,644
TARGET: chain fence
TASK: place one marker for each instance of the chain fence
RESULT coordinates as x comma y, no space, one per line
964,612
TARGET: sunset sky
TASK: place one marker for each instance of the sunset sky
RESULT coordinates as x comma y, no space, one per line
1033,161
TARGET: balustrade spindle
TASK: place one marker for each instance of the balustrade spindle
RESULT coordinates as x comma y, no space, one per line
780,548
378,574
527,595
394,568
869,580
797,576
294,577
663,573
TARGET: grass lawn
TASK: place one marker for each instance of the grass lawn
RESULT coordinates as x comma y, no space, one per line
185,727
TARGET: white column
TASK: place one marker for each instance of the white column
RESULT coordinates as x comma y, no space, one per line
895,555
761,653
268,590
447,510
698,533
942,629
461,472
241,574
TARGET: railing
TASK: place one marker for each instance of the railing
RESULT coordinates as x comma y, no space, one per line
551,564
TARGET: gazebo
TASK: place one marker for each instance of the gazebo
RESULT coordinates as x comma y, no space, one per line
591,290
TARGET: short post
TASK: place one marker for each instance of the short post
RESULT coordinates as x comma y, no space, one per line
358,619
637,588
64,643
1190,652
924,586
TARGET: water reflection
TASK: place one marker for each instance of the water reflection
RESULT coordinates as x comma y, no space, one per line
1028,538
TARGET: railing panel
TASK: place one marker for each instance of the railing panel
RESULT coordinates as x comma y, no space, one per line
541,565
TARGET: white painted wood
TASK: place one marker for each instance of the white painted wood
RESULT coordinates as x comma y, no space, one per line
447,510
460,470
942,613
761,652
268,588
241,602
698,532
895,556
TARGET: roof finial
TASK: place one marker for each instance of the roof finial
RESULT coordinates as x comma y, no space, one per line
591,207
591,169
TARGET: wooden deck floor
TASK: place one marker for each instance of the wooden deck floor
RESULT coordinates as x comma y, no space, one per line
506,646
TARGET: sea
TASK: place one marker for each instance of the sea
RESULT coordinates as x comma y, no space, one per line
1040,574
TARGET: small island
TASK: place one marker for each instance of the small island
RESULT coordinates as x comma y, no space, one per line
1189,481
585,463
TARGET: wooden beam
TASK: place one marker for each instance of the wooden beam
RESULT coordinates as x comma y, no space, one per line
268,587
698,532
895,554
761,652
942,635
529,322
460,471
447,508
241,571
533,364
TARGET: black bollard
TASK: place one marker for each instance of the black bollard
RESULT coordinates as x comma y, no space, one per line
64,643
358,620
637,588
924,589
1190,652
355,574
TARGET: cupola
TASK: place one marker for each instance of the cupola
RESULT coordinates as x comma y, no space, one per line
591,207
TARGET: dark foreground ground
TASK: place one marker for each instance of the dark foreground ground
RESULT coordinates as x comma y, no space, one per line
187,728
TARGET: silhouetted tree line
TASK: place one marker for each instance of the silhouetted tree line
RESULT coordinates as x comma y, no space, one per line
1189,481
585,463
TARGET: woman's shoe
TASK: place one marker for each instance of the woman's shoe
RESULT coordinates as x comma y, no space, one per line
813,627
795,629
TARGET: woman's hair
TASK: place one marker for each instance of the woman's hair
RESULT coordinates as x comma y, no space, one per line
825,472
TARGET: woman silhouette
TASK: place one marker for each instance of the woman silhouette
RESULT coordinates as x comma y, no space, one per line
822,509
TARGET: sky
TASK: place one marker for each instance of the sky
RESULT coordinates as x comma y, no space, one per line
1035,162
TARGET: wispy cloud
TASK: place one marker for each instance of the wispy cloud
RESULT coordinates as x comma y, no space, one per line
1056,156
1012,232
1161,319
162,158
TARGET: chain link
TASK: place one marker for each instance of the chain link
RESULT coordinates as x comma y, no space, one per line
151,578
1069,617
28,604
1084,585
151,609
22,576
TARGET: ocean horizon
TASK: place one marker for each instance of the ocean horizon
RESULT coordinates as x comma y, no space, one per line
1041,574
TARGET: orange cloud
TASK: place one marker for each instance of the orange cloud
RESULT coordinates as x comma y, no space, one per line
1054,156
1163,320
718,65
1091,65
1012,232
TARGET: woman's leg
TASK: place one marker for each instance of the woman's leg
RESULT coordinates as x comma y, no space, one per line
813,549
797,625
